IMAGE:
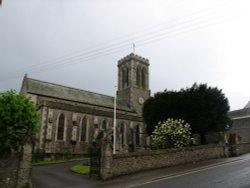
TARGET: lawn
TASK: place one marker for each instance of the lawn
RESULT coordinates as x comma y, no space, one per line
80,169
41,163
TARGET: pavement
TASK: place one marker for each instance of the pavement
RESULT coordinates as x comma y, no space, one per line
141,178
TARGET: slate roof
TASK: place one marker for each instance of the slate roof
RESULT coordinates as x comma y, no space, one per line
43,88
242,113
248,105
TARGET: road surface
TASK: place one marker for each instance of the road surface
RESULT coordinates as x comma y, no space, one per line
60,176
230,175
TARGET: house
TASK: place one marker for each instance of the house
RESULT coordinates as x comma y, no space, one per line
241,123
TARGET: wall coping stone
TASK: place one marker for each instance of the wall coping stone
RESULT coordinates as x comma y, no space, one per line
163,151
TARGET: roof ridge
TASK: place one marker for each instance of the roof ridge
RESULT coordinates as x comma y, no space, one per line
69,87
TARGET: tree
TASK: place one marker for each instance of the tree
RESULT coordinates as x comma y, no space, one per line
171,134
204,108
18,117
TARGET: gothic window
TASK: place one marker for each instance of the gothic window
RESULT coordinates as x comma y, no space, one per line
83,129
122,133
137,135
60,128
104,125
123,78
143,78
127,76
138,77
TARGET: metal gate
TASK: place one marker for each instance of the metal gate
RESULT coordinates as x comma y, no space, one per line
95,160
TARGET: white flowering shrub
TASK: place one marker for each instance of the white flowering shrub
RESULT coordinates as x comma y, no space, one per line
171,134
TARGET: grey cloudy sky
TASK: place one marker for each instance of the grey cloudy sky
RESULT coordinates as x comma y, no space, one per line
77,43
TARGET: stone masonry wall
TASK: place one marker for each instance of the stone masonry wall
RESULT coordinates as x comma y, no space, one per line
8,169
134,162
15,168
243,148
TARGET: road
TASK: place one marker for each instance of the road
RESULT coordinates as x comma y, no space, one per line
216,173
60,176
230,175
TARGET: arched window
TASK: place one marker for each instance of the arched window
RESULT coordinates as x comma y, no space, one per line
60,128
83,129
137,135
127,76
122,133
138,77
143,78
104,125
123,78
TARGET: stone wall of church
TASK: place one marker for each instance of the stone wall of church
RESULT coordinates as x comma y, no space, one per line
97,119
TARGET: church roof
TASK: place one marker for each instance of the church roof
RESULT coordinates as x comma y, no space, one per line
43,88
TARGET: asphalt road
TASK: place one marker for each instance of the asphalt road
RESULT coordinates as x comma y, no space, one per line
230,175
59,176
216,173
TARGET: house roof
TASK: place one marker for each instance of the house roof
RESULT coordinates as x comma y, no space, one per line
242,113
43,88
248,105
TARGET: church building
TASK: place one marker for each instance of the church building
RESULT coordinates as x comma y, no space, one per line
71,119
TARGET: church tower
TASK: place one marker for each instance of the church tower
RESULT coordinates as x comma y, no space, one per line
133,81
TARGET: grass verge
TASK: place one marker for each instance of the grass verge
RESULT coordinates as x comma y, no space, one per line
80,169
41,163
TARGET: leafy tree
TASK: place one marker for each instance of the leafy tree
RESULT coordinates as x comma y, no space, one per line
18,116
204,108
171,134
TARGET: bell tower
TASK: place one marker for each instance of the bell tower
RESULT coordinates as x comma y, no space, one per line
133,81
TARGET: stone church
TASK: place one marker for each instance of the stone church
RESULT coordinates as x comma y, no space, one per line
71,119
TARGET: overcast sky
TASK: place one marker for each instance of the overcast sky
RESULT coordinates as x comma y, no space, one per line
77,43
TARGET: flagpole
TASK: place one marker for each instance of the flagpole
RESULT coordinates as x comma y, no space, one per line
114,127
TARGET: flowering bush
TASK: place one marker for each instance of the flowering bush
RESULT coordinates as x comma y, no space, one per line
171,134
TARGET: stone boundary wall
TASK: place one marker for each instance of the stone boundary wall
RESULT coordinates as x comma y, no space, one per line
15,168
134,162
8,168
243,148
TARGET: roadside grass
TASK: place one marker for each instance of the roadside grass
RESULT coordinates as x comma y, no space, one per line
2,185
41,163
80,169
